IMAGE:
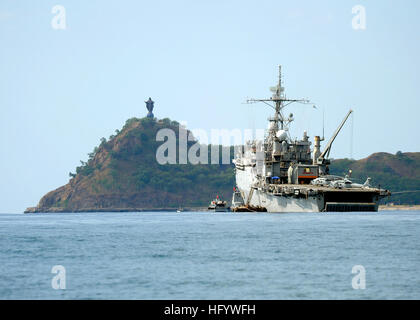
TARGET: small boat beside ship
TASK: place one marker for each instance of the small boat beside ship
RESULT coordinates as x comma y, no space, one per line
218,205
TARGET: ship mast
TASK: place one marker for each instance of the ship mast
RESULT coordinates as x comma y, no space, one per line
279,90
280,102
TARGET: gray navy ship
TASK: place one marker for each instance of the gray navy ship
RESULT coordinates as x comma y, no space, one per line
284,175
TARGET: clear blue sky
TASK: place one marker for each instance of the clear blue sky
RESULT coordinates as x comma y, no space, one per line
62,90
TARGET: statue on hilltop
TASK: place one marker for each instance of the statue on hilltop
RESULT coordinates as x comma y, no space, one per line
149,106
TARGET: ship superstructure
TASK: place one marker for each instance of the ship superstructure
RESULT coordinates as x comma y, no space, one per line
284,175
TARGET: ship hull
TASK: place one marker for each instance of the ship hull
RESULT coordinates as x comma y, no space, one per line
272,203
263,201
269,202
304,198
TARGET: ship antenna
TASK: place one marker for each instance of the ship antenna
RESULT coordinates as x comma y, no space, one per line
278,103
279,78
323,123
351,135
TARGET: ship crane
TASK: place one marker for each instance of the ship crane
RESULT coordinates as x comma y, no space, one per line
325,154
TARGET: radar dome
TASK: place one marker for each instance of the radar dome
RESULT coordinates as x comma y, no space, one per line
281,135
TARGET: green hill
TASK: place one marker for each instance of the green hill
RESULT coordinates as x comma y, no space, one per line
123,174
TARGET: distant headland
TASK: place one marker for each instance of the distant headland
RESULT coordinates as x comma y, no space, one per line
122,174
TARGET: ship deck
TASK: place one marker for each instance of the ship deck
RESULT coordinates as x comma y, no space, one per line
344,194
322,188
319,188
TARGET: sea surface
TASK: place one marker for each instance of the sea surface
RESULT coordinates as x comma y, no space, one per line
200,255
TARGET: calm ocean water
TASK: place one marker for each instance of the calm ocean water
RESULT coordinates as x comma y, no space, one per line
210,255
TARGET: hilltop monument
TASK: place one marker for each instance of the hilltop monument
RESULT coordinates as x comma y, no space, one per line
149,106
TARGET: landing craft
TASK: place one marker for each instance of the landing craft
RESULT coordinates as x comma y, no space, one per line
284,175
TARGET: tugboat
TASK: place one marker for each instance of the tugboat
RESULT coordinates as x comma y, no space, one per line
218,205
281,174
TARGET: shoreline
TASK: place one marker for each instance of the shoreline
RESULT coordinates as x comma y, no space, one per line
62,210
402,207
